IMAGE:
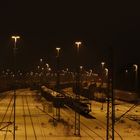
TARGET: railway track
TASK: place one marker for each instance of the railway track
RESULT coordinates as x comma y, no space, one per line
7,121
30,116
86,129
38,119
9,104
129,111
7,129
97,122
24,117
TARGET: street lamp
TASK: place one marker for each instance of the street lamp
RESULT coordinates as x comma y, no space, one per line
14,50
49,69
41,59
40,68
77,88
102,75
47,65
106,71
15,39
58,50
136,67
58,81
136,75
102,63
126,78
102,72
58,69
81,67
78,44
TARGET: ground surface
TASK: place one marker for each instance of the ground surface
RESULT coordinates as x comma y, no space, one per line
36,120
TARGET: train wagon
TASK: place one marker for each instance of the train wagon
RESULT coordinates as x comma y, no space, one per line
53,96
126,95
61,99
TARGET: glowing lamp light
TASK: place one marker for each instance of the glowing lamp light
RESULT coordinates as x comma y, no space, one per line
136,67
78,43
15,38
106,71
102,63
58,49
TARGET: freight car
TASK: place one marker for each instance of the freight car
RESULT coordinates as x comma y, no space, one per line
100,94
53,96
78,106
126,95
61,99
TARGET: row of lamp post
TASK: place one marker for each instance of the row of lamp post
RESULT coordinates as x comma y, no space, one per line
77,115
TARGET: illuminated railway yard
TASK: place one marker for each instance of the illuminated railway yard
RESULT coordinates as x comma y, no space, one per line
36,119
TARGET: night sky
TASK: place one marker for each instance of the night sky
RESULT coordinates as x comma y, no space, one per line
45,25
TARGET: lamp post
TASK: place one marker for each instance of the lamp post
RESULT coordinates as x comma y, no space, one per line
106,76
102,64
102,77
126,78
136,76
126,73
58,80
14,51
58,69
78,44
77,90
40,71
106,72
47,65
110,124
15,40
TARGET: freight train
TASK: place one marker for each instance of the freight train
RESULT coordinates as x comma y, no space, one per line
53,96
100,94
61,99
78,106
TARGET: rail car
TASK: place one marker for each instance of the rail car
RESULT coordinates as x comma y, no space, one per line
100,94
53,96
78,106
61,99
82,106
119,95
126,96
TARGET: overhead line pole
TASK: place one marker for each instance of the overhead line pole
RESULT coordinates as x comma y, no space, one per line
113,93
110,98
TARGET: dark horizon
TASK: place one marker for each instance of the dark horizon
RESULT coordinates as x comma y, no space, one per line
47,25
